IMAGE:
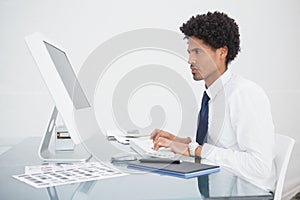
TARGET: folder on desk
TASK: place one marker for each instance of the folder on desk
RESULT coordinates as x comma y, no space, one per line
182,170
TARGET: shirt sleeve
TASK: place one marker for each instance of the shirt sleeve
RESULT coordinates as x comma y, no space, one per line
251,121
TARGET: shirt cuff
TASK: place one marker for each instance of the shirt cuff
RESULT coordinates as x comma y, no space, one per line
192,148
206,150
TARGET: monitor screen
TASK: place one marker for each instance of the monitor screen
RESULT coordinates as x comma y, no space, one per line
70,102
68,77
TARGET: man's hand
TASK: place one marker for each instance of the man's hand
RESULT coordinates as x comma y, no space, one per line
166,139
157,133
176,147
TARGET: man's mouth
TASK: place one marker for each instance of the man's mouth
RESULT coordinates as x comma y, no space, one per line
194,69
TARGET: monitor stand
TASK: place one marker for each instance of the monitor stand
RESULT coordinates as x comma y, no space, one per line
47,152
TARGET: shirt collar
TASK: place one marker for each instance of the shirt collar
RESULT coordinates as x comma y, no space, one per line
218,85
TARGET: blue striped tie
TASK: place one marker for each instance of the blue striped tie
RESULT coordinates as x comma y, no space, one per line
203,120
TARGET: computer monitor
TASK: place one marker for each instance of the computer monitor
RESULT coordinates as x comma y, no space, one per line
66,91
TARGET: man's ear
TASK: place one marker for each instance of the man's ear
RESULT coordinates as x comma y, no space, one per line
223,51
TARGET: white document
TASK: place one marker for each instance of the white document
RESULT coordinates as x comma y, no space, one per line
52,175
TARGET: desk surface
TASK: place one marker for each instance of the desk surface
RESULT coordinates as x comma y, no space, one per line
139,185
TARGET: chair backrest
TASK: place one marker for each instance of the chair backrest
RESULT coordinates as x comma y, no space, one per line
284,146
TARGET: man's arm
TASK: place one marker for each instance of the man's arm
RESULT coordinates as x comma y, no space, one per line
251,121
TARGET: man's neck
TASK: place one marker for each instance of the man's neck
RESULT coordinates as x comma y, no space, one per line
213,77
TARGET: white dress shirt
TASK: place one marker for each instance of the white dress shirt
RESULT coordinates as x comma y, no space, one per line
240,130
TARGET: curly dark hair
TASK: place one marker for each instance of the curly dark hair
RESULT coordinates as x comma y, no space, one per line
215,29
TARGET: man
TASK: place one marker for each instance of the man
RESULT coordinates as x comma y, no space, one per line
235,128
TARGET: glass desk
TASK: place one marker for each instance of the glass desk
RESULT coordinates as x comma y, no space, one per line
137,185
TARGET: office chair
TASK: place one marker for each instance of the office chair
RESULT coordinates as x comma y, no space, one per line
282,160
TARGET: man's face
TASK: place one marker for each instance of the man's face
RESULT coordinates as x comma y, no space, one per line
203,60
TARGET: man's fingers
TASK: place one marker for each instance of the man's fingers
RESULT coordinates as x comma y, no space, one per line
161,142
154,133
158,133
157,143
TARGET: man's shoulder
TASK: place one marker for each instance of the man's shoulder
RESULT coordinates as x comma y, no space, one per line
240,82
241,85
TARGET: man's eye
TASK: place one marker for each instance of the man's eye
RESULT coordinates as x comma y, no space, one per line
197,51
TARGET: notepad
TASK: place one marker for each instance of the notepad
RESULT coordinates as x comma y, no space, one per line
183,170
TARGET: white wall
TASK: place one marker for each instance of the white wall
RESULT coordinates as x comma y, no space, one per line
269,39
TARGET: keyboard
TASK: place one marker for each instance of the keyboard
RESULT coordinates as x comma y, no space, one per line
144,147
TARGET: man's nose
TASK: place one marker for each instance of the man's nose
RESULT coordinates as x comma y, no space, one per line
191,61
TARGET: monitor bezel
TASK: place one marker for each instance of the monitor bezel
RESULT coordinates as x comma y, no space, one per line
53,81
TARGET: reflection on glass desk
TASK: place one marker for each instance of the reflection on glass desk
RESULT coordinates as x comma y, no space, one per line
137,185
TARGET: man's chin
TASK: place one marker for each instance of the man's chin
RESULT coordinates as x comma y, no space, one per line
197,78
